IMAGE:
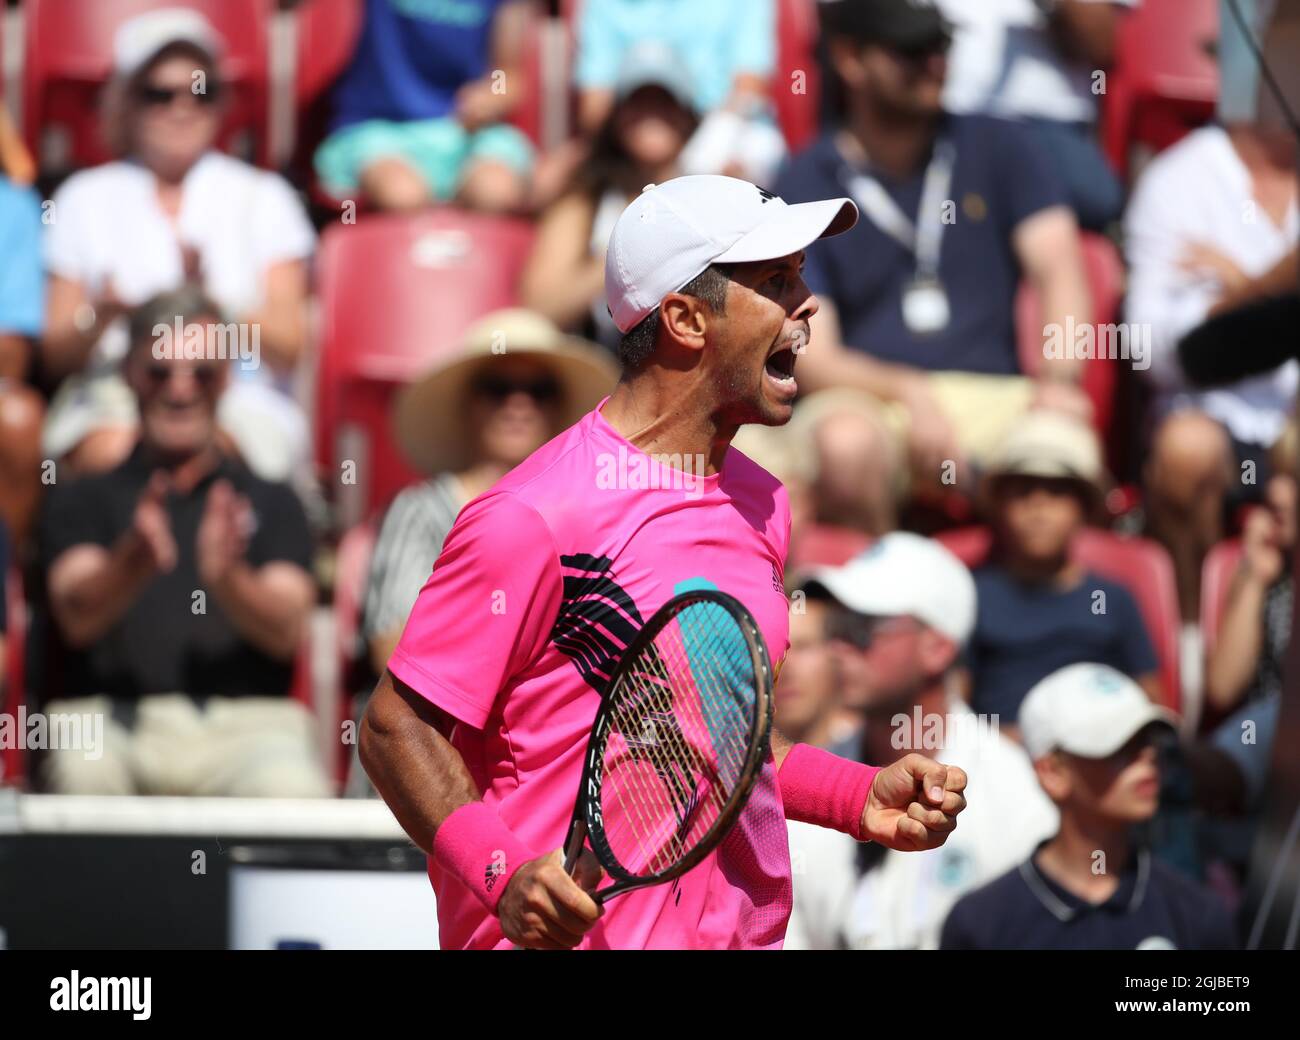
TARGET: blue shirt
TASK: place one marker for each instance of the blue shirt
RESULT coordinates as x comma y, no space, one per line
1023,633
412,57
1000,178
1154,907
715,41
22,275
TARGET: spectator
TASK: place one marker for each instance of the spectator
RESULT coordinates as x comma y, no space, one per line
917,300
420,113
1040,62
1093,736
1212,225
808,679
727,49
1250,647
467,422
179,581
856,479
906,608
639,143
172,209
22,302
1038,609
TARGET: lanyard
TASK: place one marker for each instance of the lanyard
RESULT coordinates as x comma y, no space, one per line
925,241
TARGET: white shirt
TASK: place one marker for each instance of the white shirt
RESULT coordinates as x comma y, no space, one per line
108,227
1200,191
1005,62
902,903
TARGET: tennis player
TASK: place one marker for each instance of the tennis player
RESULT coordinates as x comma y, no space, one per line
476,733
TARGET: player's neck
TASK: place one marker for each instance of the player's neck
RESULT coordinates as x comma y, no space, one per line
660,419
898,146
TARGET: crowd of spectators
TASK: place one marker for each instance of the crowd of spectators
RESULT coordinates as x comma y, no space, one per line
165,513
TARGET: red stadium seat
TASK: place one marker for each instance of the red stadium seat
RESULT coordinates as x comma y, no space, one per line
13,759
822,545
1140,565
397,293
327,32
1165,80
1217,572
351,568
68,59
797,28
1105,272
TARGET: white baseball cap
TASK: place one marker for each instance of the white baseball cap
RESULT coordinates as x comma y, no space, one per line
1089,710
906,574
672,231
139,39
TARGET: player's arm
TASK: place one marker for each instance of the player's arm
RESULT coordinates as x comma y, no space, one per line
405,750
910,805
482,617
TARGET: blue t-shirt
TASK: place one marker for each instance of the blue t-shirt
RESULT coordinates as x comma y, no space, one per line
22,275
1023,633
1154,907
412,57
1000,177
715,41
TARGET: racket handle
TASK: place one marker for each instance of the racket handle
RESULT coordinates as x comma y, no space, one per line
573,847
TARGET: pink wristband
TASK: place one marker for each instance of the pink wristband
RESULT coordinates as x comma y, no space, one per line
475,846
824,789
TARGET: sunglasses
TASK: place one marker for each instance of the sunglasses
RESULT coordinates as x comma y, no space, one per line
860,631
543,390
158,97
160,372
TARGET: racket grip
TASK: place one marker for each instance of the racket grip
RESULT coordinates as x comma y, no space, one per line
573,847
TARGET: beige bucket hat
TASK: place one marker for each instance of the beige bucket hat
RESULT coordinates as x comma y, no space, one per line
428,415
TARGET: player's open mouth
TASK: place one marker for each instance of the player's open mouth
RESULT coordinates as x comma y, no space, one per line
780,370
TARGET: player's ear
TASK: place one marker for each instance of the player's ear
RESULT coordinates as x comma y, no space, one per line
684,320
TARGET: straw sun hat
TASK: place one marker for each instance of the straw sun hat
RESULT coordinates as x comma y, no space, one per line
429,414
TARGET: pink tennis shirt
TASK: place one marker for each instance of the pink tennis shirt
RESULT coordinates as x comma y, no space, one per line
542,582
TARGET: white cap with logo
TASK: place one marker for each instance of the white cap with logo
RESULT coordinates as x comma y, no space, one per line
906,574
138,39
1089,710
672,231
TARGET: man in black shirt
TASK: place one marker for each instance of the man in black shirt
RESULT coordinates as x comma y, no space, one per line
1092,733
179,580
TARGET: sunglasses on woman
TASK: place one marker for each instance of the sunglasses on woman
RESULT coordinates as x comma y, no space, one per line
157,97
543,389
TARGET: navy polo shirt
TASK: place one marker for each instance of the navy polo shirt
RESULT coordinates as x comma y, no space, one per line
1000,177
1024,633
1154,907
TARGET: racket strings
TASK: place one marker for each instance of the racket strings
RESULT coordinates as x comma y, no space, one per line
677,738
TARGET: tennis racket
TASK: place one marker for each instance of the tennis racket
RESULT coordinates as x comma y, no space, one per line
681,734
